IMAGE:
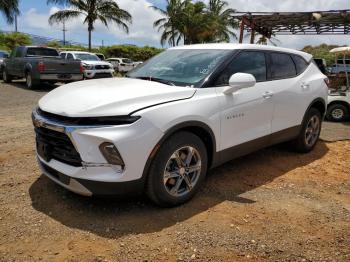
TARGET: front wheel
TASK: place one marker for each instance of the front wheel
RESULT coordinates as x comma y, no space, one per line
337,113
178,170
310,131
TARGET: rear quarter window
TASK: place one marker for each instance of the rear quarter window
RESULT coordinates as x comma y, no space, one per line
282,66
300,64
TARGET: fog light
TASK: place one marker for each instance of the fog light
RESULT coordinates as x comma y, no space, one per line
111,154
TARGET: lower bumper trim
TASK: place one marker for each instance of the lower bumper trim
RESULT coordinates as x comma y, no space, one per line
89,187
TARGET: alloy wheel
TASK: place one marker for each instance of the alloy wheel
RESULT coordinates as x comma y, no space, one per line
312,130
182,171
29,80
337,113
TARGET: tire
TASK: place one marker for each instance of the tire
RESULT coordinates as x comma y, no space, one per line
310,132
30,82
181,184
6,77
337,113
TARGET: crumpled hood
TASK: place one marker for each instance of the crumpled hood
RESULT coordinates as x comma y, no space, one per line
109,97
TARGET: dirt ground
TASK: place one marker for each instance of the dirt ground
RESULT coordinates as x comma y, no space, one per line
273,205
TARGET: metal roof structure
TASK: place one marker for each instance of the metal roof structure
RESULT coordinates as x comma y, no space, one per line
334,22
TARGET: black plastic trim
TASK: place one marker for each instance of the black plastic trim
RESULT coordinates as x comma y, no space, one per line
256,144
89,121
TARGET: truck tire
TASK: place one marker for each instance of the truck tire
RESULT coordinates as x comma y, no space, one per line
30,82
337,113
6,77
178,170
309,133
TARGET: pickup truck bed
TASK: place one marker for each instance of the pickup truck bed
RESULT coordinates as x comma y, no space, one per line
40,64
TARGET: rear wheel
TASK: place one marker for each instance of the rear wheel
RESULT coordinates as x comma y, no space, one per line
178,170
337,113
30,82
6,77
310,131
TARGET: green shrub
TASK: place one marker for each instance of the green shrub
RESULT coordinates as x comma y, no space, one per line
11,40
133,52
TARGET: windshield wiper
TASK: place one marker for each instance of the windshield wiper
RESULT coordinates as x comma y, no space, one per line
155,79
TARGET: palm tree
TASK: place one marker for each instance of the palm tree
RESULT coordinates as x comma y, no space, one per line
222,21
170,22
9,8
93,10
263,40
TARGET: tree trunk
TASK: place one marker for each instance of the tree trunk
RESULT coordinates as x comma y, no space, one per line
90,28
89,39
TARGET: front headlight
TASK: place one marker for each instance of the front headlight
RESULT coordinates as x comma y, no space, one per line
111,154
88,67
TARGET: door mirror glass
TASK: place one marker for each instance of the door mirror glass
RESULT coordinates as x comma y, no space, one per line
239,81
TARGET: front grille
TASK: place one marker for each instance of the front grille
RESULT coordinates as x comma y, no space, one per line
56,145
102,67
102,75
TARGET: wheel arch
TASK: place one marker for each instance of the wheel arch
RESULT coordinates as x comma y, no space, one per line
202,130
320,104
27,68
340,102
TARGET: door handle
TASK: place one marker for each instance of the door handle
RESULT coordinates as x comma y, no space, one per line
305,85
267,95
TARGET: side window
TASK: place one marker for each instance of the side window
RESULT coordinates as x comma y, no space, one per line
300,63
70,56
251,62
282,66
63,55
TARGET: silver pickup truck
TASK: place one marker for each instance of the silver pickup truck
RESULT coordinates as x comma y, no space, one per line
40,64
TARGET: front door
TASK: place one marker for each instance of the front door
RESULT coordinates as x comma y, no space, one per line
247,113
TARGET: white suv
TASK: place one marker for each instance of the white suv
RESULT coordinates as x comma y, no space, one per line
93,66
185,110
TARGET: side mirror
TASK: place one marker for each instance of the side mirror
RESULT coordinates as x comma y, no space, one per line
6,56
239,81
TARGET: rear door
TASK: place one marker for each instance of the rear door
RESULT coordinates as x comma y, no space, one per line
291,90
247,113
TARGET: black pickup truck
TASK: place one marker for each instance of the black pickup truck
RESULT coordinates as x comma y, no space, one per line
40,64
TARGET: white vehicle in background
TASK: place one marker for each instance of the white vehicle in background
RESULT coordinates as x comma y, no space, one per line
186,110
138,63
339,101
93,66
122,65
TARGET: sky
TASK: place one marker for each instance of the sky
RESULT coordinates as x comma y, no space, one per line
35,13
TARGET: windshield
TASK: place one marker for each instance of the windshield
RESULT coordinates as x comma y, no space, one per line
2,54
127,61
87,57
183,67
39,51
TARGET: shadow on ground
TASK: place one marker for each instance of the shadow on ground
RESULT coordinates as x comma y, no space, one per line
113,218
43,88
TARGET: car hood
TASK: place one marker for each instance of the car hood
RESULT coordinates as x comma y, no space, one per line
110,97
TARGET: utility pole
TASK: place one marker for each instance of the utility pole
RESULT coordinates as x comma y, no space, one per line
64,30
16,29
102,43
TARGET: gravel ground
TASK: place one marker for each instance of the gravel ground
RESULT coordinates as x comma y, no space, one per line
273,205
